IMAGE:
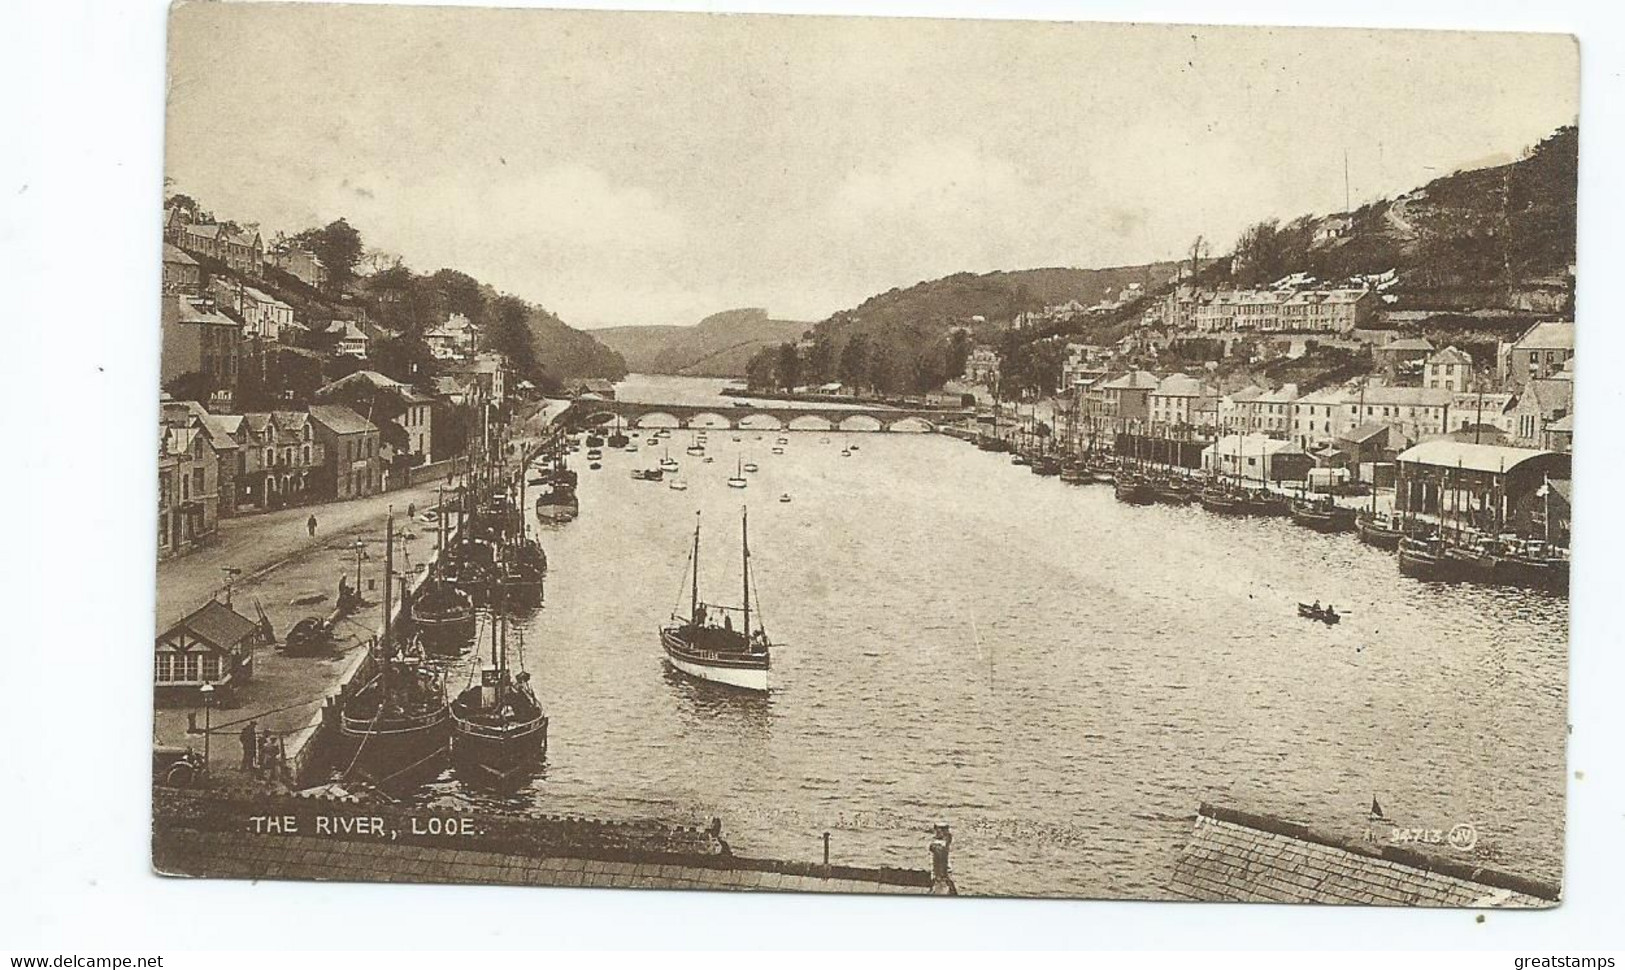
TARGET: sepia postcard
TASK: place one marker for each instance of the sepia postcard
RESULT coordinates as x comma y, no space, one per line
816,454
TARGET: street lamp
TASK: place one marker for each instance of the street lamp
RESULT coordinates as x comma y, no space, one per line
207,690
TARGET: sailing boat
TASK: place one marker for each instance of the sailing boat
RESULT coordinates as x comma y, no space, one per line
668,463
738,479
498,728
700,648
619,438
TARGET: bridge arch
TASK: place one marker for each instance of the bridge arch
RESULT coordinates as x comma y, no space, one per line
810,422
656,419
709,419
861,422
599,418
761,421
913,424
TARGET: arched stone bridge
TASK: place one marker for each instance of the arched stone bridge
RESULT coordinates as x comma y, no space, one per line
760,417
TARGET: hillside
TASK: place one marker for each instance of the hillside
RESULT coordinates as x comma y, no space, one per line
718,346
565,352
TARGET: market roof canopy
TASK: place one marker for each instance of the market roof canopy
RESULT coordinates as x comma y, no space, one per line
1444,453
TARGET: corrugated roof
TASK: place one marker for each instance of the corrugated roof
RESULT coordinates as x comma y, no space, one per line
1236,856
1444,453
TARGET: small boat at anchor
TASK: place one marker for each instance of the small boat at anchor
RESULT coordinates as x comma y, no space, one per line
678,485
648,474
737,480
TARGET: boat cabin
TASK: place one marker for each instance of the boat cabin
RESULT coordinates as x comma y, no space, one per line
214,645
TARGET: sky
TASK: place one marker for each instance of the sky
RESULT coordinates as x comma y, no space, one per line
646,168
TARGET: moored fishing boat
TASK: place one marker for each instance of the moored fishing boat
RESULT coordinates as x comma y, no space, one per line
648,474
1172,491
1422,557
1223,500
1046,465
396,724
443,616
1380,531
698,646
498,727
1322,515
1133,489
557,503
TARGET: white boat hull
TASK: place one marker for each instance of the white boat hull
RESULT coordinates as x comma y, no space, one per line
732,676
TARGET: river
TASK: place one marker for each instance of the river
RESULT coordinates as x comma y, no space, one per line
1060,677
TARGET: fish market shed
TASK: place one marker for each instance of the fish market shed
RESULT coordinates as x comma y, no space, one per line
1474,486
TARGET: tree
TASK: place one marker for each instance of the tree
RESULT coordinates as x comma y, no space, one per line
819,366
788,370
762,370
338,246
959,348
461,292
405,358
510,335
190,386
854,366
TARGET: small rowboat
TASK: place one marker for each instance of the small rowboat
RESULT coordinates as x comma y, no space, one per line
1325,615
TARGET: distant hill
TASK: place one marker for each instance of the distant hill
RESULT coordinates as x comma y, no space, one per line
718,346
566,352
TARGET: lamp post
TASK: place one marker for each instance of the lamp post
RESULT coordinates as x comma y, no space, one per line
207,690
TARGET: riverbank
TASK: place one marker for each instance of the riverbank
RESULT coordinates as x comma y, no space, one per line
288,574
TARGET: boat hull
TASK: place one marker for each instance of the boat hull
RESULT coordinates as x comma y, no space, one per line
744,674
1421,564
557,511
497,755
1322,521
1379,536
386,753
447,636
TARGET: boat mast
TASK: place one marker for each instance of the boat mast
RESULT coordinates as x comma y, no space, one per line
694,593
744,545
389,574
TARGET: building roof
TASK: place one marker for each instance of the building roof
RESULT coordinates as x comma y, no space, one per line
1360,434
1412,344
1236,856
1444,453
201,311
174,254
1548,395
1551,335
1180,385
1137,380
1565,424
1382,395
216,623
1244,445
340,420
1451,355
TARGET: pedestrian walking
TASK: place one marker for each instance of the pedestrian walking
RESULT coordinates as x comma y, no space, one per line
411,510
251,747
310,524
267,753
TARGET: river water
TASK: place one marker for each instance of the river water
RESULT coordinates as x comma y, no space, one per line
1060,677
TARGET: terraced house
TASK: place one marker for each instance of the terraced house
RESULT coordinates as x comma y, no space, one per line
350,450
279,459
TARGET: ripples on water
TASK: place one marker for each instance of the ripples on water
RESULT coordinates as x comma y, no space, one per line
1061,677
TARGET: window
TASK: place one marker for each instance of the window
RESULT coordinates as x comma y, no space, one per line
164,669
211,667
194,668
270,458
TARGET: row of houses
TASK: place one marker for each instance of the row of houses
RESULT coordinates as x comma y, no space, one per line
363,436
1540,415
